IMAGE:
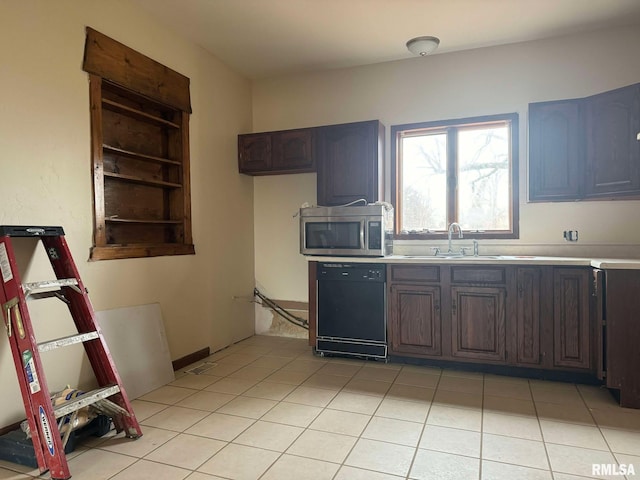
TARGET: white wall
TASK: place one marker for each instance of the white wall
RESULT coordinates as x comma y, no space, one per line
477,82
45,168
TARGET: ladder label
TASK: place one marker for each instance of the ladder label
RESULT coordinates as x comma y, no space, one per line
5,266
46,431
30,369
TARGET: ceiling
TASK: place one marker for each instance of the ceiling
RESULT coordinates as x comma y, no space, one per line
268,38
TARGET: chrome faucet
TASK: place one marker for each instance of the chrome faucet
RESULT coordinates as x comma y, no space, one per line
452,227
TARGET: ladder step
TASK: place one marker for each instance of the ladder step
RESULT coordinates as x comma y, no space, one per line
88,398
35,287
66,341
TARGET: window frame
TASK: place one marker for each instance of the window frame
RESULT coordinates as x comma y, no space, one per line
451,127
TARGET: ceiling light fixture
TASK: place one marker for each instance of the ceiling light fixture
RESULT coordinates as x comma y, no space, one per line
423,45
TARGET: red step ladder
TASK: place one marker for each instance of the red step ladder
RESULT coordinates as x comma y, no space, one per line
42,416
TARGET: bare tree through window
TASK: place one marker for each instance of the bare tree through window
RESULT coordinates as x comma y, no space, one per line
455,173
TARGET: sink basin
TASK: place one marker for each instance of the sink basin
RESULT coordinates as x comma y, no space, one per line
456,257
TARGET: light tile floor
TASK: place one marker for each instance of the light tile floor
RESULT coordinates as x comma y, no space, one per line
268,409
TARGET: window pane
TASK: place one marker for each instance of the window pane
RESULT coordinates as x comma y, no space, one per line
483,178
424,186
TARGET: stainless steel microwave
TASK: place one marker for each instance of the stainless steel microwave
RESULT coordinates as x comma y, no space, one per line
357,231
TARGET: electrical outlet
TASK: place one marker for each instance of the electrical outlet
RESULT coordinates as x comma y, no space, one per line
570,235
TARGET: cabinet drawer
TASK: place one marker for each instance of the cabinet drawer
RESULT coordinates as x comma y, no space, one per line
414,273
466,274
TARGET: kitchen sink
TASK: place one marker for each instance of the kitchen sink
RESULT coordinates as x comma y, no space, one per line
456,257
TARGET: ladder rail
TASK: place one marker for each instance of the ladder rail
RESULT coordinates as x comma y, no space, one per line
37,403
41,414
84,316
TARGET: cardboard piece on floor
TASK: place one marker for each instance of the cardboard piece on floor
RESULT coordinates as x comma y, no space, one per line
138,344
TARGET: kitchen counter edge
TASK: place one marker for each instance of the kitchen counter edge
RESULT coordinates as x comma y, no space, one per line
602,263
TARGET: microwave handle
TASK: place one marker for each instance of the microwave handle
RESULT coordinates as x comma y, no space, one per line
363,245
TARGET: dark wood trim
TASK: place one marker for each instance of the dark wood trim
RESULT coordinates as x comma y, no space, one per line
186,179
9,428
110,59
191,358
137,251
395,179
95,98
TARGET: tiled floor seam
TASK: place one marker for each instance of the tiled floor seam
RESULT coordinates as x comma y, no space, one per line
544,443
424,426
597,424
481,428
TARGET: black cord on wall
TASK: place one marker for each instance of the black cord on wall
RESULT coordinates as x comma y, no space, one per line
288,316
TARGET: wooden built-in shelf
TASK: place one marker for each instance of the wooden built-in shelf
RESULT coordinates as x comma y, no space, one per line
122,251
140,153
131,178
133,112
138,156
138,220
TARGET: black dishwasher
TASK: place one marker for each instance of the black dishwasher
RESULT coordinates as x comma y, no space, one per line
351,317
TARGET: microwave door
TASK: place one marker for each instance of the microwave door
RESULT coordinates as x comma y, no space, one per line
333,236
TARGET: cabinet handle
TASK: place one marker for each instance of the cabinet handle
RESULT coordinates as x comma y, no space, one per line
453,307
520,291
436,306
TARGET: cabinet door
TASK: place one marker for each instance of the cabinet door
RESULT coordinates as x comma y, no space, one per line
415,320
254,153
528,316
349,163
478,323
623,334
555,150
613,151
293,151
571,318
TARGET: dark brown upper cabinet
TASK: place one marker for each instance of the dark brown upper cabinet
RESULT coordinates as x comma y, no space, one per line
140,153
347,157
272,153
350,163
585,149
556,141
254,153
613,149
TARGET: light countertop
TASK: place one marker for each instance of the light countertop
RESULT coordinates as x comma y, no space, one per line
603,263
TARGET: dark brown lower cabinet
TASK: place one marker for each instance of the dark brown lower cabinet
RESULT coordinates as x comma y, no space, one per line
518,315
618,328
415,319
572,328
541,317
478,323
527,316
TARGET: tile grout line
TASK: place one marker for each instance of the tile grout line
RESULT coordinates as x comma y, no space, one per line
481,427
544,443
424,426
595,421
307,427
303,356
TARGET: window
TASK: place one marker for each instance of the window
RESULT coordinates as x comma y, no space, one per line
140,151
462,171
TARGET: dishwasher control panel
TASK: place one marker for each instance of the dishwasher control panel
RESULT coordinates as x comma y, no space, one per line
352,271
